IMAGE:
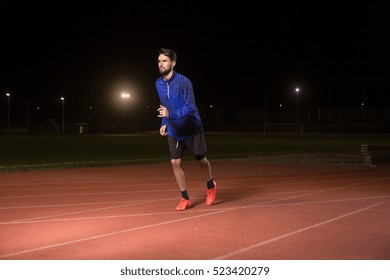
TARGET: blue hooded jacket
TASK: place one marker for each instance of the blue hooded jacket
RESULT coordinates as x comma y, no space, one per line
177,95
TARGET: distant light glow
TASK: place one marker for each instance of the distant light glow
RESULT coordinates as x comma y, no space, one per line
8,94
62,98
125,95
297,90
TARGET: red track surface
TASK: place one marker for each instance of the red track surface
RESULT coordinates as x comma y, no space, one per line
262,211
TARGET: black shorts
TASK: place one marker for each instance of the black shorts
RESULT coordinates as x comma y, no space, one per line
195,145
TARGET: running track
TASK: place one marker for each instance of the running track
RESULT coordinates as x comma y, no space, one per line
263,210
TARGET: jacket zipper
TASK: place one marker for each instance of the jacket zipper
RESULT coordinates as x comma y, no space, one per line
168,90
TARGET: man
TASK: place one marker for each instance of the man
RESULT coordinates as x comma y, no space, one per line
182,124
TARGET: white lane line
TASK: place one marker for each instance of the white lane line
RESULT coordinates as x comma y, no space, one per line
89,193
102,236
174,190
85,185
251,247
38,218
76,212
69,204
125,183
225,209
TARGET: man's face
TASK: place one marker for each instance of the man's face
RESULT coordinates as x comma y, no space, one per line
165,65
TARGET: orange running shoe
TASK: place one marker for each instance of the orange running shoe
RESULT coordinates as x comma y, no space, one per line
211,194
183,205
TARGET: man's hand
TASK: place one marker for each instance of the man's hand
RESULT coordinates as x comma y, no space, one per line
163,112
163,130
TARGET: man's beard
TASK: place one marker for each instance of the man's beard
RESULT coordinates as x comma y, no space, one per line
165,71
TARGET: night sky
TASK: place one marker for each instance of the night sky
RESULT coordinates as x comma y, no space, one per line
91,51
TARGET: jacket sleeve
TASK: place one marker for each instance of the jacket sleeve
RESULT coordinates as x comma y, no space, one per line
163,121
189,107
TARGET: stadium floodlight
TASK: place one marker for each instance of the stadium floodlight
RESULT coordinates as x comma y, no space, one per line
124,96
297,92
63,114
9,112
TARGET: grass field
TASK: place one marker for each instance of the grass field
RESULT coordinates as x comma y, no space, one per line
29,152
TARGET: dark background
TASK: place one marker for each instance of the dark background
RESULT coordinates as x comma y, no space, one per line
237,55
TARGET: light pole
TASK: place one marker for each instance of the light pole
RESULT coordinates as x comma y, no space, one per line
63,114
124,96
297,92
8,97
364,111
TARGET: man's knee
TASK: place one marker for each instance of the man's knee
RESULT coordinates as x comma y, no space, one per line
200,157
176,162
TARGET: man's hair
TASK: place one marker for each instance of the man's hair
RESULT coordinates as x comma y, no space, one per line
167,52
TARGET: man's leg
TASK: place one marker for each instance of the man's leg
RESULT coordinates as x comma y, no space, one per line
211,184
206,168
179,173
181,181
